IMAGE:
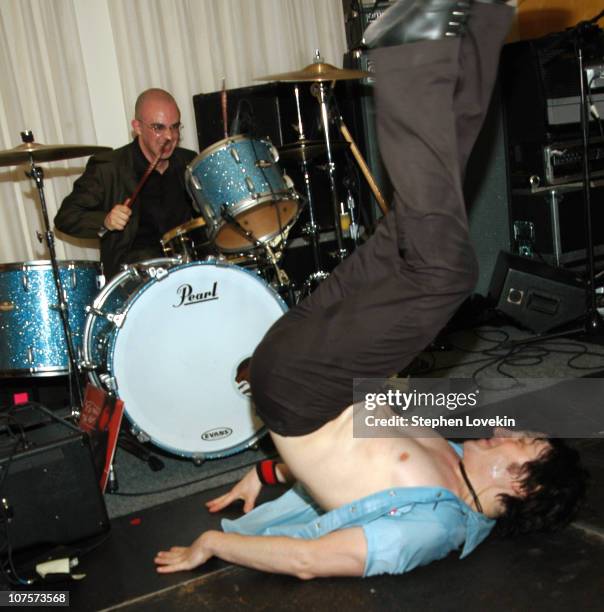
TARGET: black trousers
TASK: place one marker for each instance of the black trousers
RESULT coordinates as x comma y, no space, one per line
387,301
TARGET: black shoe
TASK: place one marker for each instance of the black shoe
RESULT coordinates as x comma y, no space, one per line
414,20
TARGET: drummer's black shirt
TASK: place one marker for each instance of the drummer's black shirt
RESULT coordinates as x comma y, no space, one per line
163,204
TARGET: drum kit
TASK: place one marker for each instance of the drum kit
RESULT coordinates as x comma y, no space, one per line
172,337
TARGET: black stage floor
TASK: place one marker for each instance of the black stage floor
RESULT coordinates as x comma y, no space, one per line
558,571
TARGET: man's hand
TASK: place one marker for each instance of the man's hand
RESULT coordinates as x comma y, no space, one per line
247,489
117,218
339,553
180,558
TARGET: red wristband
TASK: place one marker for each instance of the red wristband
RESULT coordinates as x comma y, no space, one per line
267,472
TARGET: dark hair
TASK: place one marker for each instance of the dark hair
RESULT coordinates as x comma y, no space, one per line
553,486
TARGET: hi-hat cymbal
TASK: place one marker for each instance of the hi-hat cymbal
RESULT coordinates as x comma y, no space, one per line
306,150
44,153
316,72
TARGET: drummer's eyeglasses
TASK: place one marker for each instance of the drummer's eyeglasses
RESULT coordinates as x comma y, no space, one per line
159,128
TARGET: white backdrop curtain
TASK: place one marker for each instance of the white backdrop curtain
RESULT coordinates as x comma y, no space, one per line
71,70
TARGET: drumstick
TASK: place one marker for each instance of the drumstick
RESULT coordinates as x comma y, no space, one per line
223,102
130,201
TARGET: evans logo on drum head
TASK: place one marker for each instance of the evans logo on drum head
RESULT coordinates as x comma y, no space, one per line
187,297
217,434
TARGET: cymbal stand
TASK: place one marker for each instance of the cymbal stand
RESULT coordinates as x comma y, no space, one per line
37,174
311,229
319,90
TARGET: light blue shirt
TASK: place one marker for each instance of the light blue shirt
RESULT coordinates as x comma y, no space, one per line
404,527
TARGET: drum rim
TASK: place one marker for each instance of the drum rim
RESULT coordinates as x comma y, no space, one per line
219,144
218,454
111,359
97,303
35,371
41,263
249,204
183,228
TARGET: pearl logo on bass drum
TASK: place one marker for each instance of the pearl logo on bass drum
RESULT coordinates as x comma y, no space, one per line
188,297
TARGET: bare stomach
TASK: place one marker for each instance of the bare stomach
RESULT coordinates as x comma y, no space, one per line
336,468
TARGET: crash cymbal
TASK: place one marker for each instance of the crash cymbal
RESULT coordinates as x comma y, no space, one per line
306,150
44,153
316,72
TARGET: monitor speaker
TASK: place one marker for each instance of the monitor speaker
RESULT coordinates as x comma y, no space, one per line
535,295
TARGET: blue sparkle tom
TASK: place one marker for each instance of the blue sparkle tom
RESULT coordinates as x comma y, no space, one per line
238,188
32,339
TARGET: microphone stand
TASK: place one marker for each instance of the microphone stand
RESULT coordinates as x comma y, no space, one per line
594,324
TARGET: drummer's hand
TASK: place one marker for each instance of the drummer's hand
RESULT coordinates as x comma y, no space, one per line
246,489
117,218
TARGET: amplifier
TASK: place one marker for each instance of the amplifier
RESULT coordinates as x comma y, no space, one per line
358,14
49,488
563,161
556,163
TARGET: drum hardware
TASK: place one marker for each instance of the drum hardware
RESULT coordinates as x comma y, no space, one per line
31,152
116,318
311,230
181,241
282,277
319,73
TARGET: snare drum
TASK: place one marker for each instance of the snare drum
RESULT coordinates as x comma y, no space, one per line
32,338
189,241
176,353
238,178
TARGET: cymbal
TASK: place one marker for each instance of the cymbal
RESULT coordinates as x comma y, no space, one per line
316,72
306,150
43,153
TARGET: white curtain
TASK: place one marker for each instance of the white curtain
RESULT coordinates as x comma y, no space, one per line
53,62
43,89
189,46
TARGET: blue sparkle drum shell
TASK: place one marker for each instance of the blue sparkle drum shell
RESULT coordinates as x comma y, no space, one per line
32,338
240,175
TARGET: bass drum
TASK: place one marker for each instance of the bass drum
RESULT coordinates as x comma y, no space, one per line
178,352
106,312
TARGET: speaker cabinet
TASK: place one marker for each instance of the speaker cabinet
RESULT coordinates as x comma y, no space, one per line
486,191
50,488
537,296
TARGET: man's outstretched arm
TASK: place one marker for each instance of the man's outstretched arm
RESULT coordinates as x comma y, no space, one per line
340,553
